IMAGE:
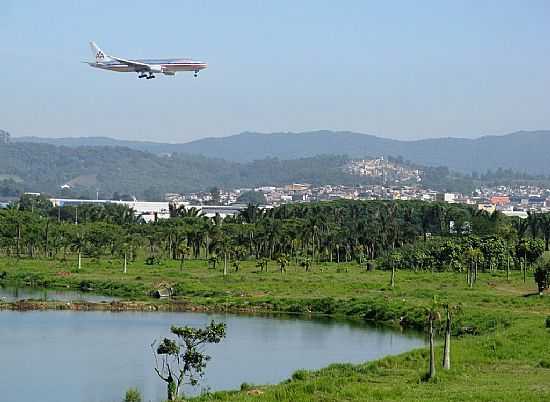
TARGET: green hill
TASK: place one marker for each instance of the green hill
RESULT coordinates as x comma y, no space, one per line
524,151
45,168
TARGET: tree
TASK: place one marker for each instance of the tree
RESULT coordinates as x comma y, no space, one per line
35,203
520,225
124,247
282,260
475,257
544,225
432,316
395,260
529,251
449,310
252,197
533,223
77,243
183,250
238,252
542,275
262,263
132,395
183,360
306,263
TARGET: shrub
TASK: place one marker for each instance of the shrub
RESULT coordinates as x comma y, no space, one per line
246,386
548,322
132,395
300,375
152,260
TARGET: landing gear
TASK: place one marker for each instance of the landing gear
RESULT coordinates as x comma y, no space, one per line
150,76
196,73
142,75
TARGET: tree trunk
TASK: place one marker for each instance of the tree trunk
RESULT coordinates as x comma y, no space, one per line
172,389
392,282
125,263
79,260
431,373
18,240
447,347
224,264
46,251
508,268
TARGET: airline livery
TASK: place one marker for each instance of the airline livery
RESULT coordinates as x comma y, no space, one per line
144,68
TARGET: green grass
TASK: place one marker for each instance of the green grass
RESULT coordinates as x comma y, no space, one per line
508,360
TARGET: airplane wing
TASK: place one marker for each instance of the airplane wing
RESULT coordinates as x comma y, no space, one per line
137,64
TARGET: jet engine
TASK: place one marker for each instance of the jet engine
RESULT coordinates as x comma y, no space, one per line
155,68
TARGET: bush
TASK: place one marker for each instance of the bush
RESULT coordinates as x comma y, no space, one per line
300,375
152,260
132,395
548,322
246,386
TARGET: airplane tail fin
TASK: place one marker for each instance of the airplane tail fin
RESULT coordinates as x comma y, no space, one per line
99,55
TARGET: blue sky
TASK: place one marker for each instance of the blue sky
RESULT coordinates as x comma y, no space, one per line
399,69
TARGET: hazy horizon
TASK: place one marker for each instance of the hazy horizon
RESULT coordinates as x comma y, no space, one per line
401,70
269,133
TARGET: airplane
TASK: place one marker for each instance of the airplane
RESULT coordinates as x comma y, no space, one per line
144,68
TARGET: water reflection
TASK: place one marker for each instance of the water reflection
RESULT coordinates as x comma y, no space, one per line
12,294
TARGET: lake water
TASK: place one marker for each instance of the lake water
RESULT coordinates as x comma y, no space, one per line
11,294
72,356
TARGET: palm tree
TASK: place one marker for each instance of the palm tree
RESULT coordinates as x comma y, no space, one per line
544,225
395,259
306,263
432,316
520,225
449,310
282,260
475,257
533,223
183,250
78,242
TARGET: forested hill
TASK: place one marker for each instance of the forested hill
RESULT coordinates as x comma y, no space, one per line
45,167
524,151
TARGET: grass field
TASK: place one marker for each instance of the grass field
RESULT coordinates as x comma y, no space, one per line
508,359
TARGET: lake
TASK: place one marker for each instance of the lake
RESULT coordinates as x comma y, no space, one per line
75,356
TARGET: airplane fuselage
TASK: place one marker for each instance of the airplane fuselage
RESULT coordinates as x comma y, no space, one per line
161,65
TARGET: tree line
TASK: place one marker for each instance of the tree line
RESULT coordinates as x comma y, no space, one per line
408,234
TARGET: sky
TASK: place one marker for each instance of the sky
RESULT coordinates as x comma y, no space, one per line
397,69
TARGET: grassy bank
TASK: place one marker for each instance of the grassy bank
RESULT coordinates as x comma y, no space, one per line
508,359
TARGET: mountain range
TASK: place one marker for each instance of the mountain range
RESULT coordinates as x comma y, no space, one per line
523,151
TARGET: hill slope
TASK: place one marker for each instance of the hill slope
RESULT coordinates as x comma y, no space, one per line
521,151
45,167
